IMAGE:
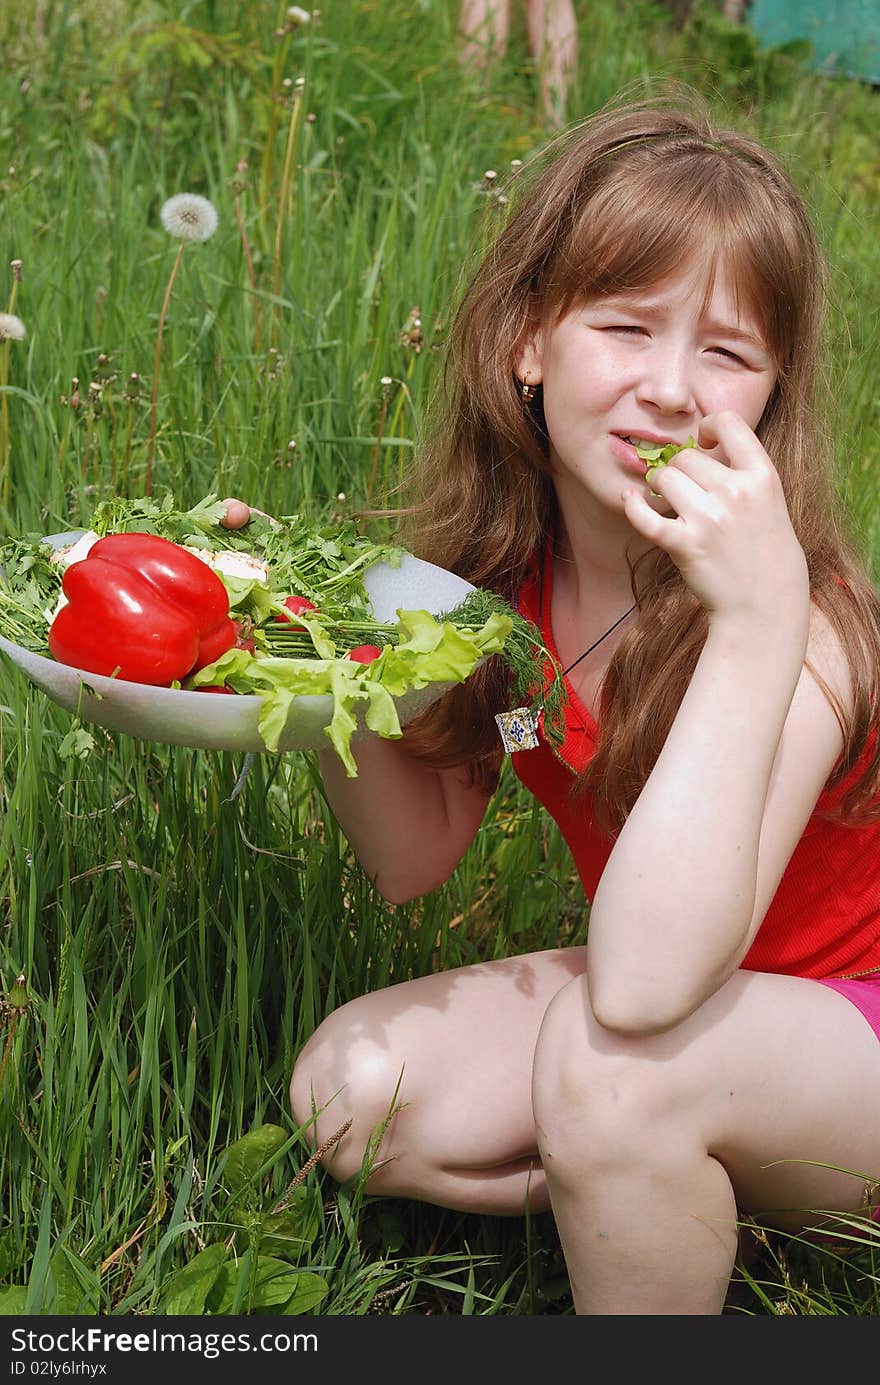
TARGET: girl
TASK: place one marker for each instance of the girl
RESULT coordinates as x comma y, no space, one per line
717,1045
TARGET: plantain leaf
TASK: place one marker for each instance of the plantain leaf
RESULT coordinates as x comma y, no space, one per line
189,1287
247,1156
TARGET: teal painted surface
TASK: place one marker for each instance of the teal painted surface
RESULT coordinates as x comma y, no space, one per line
845,34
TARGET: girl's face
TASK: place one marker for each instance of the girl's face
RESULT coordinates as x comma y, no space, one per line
646,365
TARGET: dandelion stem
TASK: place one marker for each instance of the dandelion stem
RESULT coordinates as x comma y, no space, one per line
88,449
252,276
151,441
4,421
403,397
283,199
380,429
127,453
4,404
267,169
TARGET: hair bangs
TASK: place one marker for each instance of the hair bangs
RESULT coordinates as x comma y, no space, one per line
653,219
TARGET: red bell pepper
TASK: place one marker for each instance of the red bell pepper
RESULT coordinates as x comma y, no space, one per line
142,606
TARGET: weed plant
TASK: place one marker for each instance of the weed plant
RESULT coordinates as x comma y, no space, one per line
178,942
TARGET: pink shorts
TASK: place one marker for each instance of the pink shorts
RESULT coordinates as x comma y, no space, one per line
864,992
865,995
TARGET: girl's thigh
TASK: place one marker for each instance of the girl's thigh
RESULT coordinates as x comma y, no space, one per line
799,1123
775,1077
452,1051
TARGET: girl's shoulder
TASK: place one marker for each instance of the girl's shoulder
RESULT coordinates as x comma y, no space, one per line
827,657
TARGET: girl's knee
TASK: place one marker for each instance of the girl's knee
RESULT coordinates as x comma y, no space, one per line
342,1075
307,1068
596,1093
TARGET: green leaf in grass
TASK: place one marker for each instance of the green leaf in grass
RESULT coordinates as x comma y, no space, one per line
13,1300
272,1283
187,1290
247,1156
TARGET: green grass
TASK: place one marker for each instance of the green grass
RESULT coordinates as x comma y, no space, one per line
179,945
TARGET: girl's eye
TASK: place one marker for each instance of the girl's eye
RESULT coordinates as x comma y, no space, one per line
731,355
624,327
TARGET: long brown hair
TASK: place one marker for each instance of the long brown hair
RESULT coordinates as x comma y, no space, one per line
625,199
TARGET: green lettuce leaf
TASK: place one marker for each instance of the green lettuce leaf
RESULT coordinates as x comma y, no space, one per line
429,651
660,456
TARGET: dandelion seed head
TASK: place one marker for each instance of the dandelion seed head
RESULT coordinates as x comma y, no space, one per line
189,217
296,15
11,328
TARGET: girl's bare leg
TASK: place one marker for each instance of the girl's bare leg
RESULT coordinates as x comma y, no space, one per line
461,1044
553,39
484,26
649,1142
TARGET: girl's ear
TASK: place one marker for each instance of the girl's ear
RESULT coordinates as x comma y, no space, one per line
529,364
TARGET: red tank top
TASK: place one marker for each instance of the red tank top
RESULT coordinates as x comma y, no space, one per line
824,919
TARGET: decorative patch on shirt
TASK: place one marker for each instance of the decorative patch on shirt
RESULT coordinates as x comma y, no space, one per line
519,729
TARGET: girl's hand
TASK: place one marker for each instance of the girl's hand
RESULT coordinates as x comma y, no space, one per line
731,536
236,514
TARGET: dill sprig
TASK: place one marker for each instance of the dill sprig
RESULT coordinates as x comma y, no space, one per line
536,677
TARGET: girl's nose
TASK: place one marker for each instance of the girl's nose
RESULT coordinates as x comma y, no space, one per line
666,382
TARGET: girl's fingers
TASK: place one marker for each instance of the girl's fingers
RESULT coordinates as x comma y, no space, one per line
684,491
647,522
736,440
694,511
707,472
236,513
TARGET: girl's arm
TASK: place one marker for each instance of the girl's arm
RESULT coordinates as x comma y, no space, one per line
702,852
408,824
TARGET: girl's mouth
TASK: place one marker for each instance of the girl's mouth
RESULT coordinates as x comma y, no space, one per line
625,449
651,444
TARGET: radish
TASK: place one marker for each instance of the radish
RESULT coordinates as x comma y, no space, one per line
364,653
294,604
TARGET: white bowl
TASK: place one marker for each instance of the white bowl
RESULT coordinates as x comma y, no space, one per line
206,722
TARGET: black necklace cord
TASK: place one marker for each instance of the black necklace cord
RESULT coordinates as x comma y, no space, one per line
611,628
518,728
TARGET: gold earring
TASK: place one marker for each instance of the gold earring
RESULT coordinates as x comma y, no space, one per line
528,391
